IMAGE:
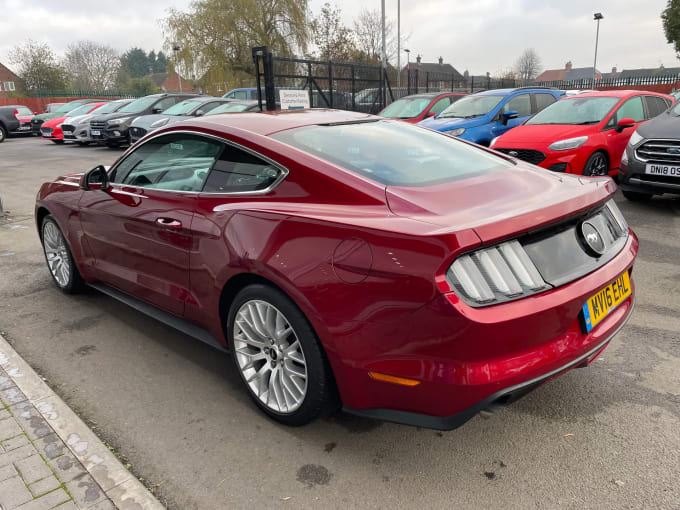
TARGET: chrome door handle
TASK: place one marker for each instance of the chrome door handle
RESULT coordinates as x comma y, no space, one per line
169,222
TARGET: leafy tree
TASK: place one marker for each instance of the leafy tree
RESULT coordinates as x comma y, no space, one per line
217,35
670,18
142,86
528,65
161,63
135,62
92,66
37,66
151,58
334,40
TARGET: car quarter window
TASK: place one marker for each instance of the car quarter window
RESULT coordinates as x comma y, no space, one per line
440,105
238,171
655,106
543,100
520,104
176,162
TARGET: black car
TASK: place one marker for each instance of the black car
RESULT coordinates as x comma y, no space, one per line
8,121
112,129
651,162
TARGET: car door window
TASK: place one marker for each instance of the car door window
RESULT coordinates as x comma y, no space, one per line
520,104
440,105
165,103
543,100
238,171
655,106
178,162
206,107
630,109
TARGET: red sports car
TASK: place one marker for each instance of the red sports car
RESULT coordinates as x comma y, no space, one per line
584,134
349,260
51,129
418,107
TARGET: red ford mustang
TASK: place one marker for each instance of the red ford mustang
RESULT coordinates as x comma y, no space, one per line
583,134
345,259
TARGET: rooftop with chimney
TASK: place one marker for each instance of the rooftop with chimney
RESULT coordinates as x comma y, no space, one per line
434,68
568,73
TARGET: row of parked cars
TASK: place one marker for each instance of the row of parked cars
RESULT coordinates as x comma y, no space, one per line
589,133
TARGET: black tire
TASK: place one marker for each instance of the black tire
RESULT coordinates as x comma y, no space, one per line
75,281
113,145
58,142
597,165
636,196
320,398
83,144
3,133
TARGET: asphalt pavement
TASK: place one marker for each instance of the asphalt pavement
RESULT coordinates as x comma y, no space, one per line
603,437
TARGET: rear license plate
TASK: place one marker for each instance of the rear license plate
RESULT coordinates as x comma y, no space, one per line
95,132
599,305
669,170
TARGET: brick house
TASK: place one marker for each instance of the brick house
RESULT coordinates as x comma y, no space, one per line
9,82
170,82
569,73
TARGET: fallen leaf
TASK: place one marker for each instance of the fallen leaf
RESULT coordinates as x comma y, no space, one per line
568,435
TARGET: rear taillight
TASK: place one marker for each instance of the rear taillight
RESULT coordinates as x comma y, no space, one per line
494,275
16,112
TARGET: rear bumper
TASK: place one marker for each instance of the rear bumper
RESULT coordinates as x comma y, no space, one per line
503,397
469,359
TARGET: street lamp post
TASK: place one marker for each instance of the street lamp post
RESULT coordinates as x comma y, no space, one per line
597,17
398,44
176,48
408,70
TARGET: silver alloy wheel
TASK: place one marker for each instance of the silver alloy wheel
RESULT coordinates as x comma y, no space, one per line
58,258
270,356
598,165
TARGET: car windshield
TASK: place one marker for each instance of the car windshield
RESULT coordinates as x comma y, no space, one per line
182,108
676,110
406,108
107,108
139,105
393,153
575,110
230,108
471,106
81,110
65,108
24,111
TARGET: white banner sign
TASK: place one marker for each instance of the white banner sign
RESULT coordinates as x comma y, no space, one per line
294,99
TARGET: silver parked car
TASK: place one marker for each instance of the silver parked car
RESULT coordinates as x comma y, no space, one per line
77,129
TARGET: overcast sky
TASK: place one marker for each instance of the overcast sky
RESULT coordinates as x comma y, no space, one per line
477,35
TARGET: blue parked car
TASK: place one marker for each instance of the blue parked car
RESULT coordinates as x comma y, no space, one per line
483,116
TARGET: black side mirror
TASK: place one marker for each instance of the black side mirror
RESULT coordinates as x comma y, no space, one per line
156,110
97,178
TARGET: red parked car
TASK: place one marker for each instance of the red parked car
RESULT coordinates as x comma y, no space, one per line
345,259
583,134
417,107
51,129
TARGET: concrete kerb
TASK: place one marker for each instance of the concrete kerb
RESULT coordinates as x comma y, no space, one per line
124,490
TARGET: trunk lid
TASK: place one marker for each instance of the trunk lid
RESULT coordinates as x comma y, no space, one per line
500,204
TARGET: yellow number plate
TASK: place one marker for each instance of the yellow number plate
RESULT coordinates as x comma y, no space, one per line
599,306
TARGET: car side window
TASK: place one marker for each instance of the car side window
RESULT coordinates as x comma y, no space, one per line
176,162
655,106
206,107
543,100
238,171
520,104
632,109
440,105
239,94
165,103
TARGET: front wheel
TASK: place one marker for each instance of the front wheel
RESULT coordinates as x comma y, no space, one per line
59,259
636,196
279,357
3,134
58,142
597,165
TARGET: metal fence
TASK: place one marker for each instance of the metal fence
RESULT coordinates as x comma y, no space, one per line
107,94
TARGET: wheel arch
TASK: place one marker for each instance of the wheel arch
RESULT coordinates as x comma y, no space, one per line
40,214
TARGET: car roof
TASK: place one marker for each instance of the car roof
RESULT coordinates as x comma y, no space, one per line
432,95
269,122
616,93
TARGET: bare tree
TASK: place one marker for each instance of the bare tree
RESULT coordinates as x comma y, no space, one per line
368,34
334,40
92,66
528,65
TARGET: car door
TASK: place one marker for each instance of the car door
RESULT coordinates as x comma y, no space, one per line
541,100
439,106
139,229
616,142
522,105
655,106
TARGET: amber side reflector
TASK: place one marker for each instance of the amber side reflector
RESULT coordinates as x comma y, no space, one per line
393,379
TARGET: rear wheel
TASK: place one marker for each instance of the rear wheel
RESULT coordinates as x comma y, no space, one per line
83,144
636,196
597,165
279,357
59,259
3,133
113,145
